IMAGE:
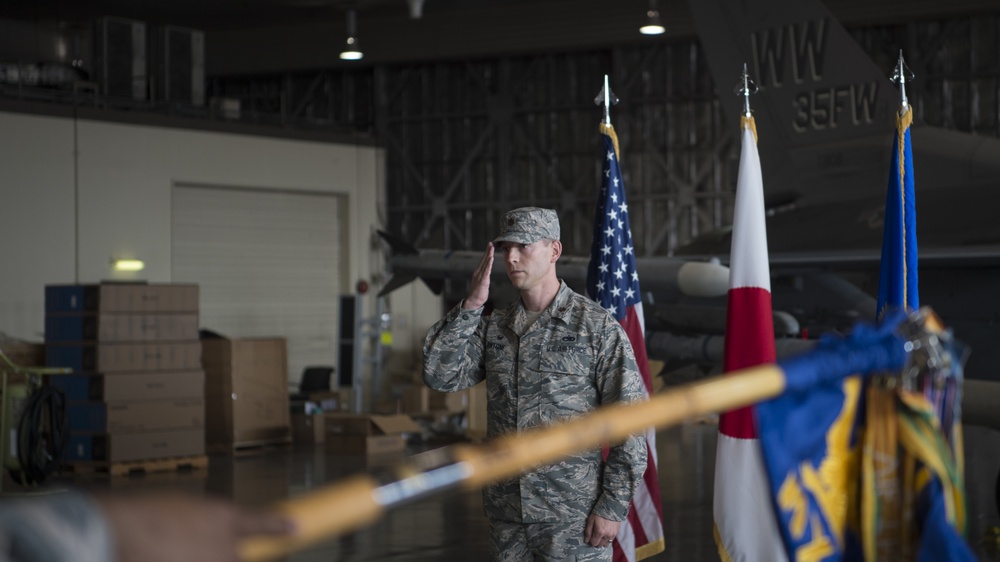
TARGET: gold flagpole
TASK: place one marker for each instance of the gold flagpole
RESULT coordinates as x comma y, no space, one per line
358,501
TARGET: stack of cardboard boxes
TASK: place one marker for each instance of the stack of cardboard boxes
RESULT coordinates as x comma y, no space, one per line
137,390
246,392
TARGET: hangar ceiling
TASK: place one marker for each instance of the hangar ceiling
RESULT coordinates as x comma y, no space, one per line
485,104
256,36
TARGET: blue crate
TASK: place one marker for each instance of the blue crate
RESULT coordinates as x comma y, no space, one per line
70,298
87,416
85,447
75,357
70,328
79,387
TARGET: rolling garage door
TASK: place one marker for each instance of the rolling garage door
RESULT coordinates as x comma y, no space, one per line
269,263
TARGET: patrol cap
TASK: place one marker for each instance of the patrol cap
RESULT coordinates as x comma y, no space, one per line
528,225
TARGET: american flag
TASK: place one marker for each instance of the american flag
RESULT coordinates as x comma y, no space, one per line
612,280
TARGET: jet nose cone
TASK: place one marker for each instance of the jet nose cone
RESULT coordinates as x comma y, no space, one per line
703,279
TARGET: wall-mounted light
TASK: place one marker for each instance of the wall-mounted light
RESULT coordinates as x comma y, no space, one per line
127,265
653,25
352,51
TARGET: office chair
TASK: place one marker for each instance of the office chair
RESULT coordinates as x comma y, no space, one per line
314,379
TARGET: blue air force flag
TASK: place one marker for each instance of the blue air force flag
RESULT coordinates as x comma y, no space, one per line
897,283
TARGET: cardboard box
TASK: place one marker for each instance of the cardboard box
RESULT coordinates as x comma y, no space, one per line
131,386
119,327
328,400
121,297
416,399
361,433
339,400
246,391
120,357
309,428
135,416
135,446
449,401
22,353
420,399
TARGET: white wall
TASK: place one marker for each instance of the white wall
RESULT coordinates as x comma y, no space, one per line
122,178
37,219
414,310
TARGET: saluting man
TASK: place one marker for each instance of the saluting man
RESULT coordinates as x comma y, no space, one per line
551,356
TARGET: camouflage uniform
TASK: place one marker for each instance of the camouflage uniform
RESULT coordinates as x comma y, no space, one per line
573,359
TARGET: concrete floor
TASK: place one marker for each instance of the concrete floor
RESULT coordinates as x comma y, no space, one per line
452,527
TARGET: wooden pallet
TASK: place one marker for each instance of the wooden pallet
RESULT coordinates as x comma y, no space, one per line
248,448
140,466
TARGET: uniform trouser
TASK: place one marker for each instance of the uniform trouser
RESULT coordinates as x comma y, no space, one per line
543,542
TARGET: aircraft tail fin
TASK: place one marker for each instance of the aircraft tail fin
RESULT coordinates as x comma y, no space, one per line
435,285
819,92
401,247
395,282
398,245
816,83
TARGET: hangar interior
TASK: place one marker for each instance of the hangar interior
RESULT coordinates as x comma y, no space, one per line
227,146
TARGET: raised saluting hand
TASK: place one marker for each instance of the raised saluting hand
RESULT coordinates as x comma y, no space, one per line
479,292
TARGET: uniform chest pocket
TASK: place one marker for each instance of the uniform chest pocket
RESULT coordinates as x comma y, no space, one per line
566,368
570,354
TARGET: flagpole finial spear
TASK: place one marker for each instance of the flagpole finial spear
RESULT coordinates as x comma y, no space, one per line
901,74
745,87
607,98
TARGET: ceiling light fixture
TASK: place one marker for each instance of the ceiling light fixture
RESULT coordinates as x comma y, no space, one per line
352,51
416,8
653,25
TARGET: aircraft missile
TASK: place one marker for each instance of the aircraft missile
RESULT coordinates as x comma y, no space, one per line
657,274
